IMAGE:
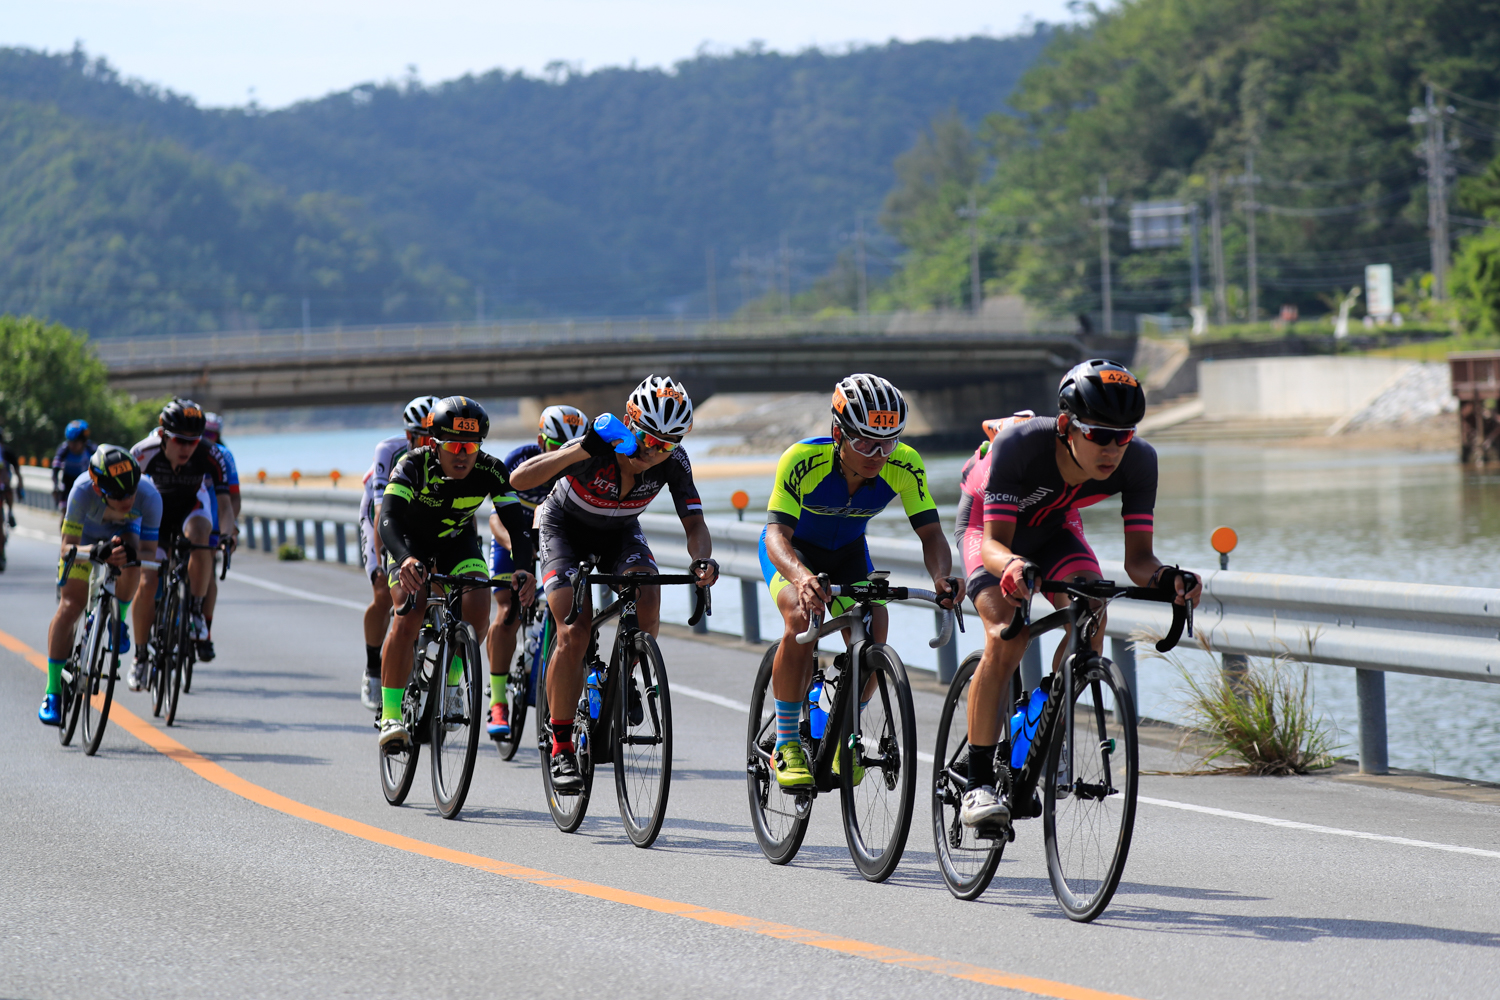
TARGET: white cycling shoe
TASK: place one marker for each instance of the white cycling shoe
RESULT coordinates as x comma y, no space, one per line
393,733
982,807
133,679
369,693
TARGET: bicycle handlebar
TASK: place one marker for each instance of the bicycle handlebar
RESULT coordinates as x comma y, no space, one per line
584,575
1106,590
459,583
878,590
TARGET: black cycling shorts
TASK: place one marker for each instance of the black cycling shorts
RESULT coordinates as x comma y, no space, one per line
457,556
566,541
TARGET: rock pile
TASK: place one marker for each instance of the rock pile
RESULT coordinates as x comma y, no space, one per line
1423,392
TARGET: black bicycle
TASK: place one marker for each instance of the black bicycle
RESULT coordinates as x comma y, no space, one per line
172,650
88,678
1085,761
625,707
527,673
866,747
441,704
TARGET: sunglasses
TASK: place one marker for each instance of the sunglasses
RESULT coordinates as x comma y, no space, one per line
872,449
1105,435
551,444
459,447
650,442
183,440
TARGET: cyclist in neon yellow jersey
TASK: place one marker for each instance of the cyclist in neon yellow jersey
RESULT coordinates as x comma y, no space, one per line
827,489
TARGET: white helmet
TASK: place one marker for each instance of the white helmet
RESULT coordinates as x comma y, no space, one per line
868,406
417,414
660,406
563,423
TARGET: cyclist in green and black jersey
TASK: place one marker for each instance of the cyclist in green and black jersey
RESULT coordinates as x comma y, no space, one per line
427,522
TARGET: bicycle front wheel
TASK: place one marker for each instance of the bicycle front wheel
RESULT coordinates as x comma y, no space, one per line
99,681
164,647
70,698
779,824
879,771
643,741
967,861
1089,791
181,653
455,724
568,810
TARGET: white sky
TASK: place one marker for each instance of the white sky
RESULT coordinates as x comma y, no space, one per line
288,50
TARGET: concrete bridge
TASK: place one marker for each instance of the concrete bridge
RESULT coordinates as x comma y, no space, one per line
955,365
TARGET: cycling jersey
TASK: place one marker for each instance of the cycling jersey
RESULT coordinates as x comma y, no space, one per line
533,497
205,469
423,511
88,516
811,494
67,467
589,490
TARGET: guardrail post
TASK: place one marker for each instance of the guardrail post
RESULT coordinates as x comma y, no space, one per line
301,535
265,534
750,610
250,532
1369,685
341,542
1031,666
318,540
1124,656
947,654
1236,666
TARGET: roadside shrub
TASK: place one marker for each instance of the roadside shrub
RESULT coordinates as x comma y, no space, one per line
288,552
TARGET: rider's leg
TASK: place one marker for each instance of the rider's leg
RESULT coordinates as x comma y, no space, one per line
500,643
377,621
395,661
75,593
476,611
648,607
201,562
565,671
988,691
143,611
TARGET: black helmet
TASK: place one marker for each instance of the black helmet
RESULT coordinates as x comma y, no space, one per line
459,418
115,472
1102,392
182,417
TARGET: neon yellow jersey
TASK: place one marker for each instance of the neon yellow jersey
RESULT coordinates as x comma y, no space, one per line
812,496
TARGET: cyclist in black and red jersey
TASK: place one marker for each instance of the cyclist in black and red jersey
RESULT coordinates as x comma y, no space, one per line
1040,472
607,477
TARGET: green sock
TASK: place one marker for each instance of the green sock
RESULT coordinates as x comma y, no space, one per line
54,676
497,688
390,699
124,611
455,671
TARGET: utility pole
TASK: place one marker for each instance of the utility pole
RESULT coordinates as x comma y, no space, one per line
1435,150
971,213
1216,249
1251,277
1102,202
1194,270
713,290
859,250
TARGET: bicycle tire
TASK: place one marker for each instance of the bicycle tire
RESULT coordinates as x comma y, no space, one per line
876,824
967,862
518,691
643,750
455,734
164,636
1084,861
779,826
104,668
182,650
568,811
398,764
68,703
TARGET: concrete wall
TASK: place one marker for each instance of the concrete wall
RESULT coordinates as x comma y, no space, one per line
1293,387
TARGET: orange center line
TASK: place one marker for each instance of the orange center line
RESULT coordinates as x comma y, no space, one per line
189,758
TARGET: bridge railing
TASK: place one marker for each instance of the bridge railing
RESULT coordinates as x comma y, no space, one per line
251,345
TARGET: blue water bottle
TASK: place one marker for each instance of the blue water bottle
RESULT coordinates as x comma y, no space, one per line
596,696
818,718
1023,726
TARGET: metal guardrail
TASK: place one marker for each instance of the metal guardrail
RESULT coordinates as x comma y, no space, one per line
1371,626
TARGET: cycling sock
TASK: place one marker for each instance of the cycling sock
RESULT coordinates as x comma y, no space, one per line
562,735
390,702
788,716
455,671
372,661
497,689
54,676
125,612
981,766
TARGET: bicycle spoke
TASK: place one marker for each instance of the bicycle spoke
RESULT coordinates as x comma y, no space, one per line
966,861
643,741
881,781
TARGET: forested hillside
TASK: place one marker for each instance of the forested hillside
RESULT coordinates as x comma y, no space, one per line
583,193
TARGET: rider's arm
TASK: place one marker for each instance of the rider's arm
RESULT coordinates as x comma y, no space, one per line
515,518
547,466
937,555
700,545
393,526
498,532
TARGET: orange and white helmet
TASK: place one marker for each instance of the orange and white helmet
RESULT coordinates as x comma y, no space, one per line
869,406
660,406
562,423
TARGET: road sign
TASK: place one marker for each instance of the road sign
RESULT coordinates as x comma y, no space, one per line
1157,225
1379,293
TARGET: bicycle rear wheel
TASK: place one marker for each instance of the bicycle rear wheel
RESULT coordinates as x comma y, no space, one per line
1088,800
567,811
182,650
398,762
643,741
967,861
99,681
455,724
518,688
877,806
779,824
69,698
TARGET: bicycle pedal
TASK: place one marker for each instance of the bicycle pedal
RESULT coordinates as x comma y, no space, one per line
995,831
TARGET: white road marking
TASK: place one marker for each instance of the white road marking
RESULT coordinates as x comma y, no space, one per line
306,595
1289,824
21,531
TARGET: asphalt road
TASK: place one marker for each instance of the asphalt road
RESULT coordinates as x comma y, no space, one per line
129,874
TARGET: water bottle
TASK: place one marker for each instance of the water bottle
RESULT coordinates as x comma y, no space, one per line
817,712
1023,726
595,692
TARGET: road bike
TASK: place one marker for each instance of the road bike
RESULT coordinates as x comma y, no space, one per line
866,746
1085,760
440,707
88,677
625,709
172,649
527,673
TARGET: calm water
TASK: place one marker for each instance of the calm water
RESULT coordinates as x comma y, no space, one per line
1360,514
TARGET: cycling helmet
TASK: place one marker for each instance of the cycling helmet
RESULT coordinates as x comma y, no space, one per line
1102,392
76,429
660,406
213,427
115,472
182,417
563,423
868,406
417,413
458,418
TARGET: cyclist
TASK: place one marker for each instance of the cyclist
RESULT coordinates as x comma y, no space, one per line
427,520
112,508
192,480
604,480
213,427
415,417
826,491
1039,472
71,459
558,426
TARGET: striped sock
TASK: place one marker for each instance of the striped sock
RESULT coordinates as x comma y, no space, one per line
788,716
54,676
497,688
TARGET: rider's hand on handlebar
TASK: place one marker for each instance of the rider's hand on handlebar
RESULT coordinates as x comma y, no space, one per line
1176,576
1013,583
811,596
412,575
230,540
947,585
708,573
524,585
